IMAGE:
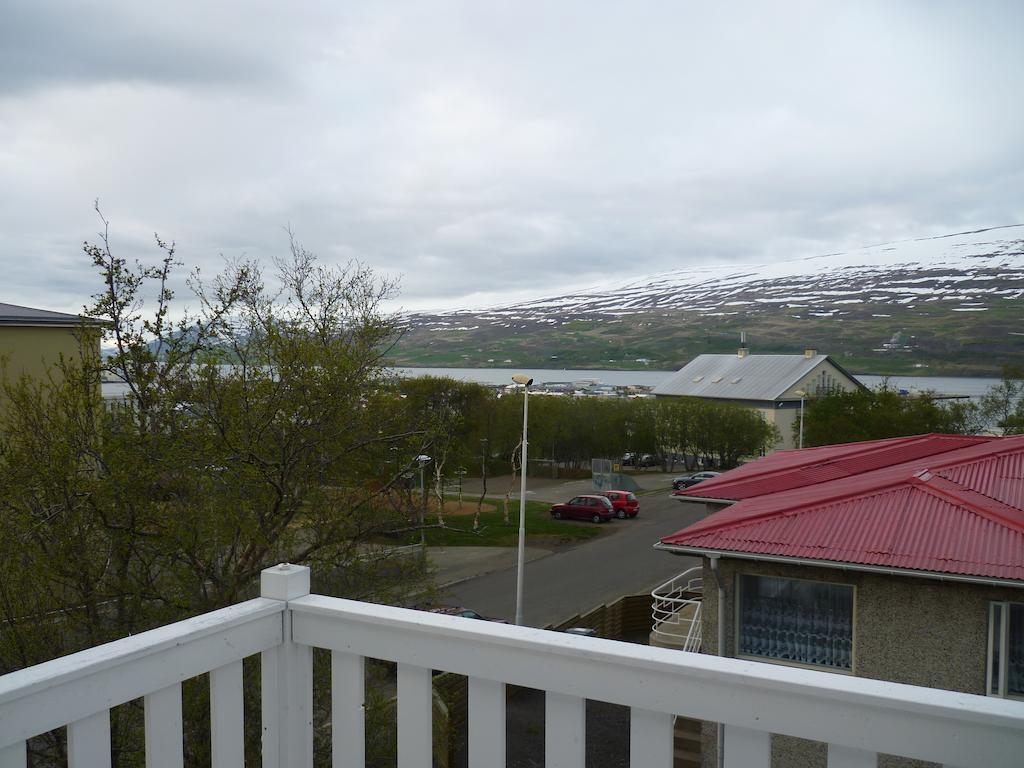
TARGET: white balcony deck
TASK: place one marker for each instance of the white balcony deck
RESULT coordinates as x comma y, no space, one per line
856,717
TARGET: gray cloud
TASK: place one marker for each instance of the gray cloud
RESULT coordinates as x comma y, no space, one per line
485,150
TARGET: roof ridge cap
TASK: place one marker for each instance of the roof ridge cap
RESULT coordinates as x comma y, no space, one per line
949,490
797,510
858,448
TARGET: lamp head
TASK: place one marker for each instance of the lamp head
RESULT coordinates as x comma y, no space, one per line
521,378
799,393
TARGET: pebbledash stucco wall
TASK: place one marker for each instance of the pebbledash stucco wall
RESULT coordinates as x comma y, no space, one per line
906,629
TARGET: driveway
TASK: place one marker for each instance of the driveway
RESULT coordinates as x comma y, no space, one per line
573,580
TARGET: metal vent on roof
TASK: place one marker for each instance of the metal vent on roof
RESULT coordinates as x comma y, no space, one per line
737,380
716,379
698,379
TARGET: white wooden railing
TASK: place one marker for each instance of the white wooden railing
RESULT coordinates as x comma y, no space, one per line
856,717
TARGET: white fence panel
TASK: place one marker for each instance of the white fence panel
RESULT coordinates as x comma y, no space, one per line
844,757
650,739
50,695
89,742
226,716
857,713
348,711
164,739
415,717
486,723
746,748
14,756
565,743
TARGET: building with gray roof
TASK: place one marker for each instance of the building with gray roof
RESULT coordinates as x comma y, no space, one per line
772,385
14,315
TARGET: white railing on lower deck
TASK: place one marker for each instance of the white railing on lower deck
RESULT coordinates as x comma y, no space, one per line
675,614
856,717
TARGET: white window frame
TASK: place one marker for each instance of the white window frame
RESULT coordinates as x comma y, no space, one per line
1000,687
737,613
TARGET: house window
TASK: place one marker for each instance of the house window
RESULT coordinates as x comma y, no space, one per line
1006,649
802,622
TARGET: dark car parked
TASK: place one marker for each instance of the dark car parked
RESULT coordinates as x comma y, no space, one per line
596,508
640,460
624,502
466,613
688,480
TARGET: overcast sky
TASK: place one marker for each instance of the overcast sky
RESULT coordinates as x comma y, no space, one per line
486,151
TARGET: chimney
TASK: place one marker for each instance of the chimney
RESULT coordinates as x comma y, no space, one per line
742,351
810,352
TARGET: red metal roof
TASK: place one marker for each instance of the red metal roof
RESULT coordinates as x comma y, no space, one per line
784,470
958,511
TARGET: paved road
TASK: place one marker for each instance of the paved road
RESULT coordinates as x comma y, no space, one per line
571,581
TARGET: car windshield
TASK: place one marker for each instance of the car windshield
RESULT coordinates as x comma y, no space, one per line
630,497
607,503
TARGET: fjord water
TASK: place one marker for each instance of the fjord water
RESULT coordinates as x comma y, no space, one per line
943,385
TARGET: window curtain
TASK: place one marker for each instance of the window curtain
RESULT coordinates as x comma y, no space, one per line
1015,652
792,620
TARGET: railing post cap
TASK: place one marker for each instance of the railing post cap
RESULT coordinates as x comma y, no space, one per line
284,581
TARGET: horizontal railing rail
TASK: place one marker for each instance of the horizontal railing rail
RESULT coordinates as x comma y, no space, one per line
856,717
78,690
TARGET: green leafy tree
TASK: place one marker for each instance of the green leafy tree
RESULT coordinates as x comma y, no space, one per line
1003,405
446,408
845,417
251,433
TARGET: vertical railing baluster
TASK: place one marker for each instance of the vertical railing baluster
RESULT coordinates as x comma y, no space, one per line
14,756
650,738
348,711
164,745
845,757
564,731
747,748
415,717
226,716
89,741
286,678
486,723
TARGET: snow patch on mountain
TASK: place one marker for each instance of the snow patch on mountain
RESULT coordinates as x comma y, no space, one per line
973,268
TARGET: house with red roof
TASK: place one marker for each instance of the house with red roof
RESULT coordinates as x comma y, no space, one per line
899,559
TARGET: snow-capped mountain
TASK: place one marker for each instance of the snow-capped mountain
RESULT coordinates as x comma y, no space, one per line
953,304
967,269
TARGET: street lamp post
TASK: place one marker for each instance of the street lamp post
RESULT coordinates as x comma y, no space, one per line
526,381
802,395
422,460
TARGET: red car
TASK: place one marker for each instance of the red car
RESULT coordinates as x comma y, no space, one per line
624,502
596,508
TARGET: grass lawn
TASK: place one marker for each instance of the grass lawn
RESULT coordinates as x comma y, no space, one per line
541,528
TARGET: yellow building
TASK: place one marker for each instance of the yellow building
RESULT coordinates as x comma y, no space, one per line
32,341
773,385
